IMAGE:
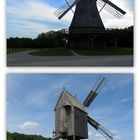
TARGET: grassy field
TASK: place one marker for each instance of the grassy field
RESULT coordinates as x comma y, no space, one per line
52,52
67,52
111,51
15,50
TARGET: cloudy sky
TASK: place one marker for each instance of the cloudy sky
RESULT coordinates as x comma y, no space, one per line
31,99
28,18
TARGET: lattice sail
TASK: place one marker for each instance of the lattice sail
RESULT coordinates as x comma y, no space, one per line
105,4
101,129
94,91
111,8
65,8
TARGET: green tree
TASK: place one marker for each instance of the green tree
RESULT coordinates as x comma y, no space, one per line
17,136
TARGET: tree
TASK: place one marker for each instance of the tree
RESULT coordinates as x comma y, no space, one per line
17,136
50,39
124,36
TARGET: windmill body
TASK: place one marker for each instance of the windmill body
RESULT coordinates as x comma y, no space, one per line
87,30
71,117
86,18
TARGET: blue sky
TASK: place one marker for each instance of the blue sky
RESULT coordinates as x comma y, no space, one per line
28,18
31,99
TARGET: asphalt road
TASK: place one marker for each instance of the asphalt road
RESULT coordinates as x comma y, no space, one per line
24,59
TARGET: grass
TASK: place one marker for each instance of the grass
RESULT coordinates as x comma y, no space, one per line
107,51
52,52
15,50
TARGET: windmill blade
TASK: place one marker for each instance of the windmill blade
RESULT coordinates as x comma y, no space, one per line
65,8
111,8
101,129
94,91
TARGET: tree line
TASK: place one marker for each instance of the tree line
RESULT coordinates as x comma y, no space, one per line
56,39
124,36
51,39
18,136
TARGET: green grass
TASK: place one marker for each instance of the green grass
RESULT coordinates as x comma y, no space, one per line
107,51
15,50
52,52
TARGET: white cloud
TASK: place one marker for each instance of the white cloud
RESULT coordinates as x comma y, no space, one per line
26,18
112,22
125,100
28,125
94,135
90,133
99,136
118,135
32,10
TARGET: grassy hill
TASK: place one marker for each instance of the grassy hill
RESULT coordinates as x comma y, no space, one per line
18,136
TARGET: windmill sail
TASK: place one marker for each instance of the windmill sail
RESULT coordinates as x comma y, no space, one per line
93,93
101,129
65,8
105,4
111,8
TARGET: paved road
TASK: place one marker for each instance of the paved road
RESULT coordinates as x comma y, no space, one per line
24,59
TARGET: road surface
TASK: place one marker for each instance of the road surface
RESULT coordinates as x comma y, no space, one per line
24,59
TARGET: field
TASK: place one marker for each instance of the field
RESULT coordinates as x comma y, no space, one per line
52,52
111,51
15,50
96,52
67,52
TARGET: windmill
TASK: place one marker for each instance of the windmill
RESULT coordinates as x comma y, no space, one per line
71,117
87,30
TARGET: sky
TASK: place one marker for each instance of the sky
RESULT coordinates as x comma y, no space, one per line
28,18
31,99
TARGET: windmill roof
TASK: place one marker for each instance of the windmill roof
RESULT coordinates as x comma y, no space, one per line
68,99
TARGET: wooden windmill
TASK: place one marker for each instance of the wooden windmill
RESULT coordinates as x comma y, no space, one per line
71,117
87,27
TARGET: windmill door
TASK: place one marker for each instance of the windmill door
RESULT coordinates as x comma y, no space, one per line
68,121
